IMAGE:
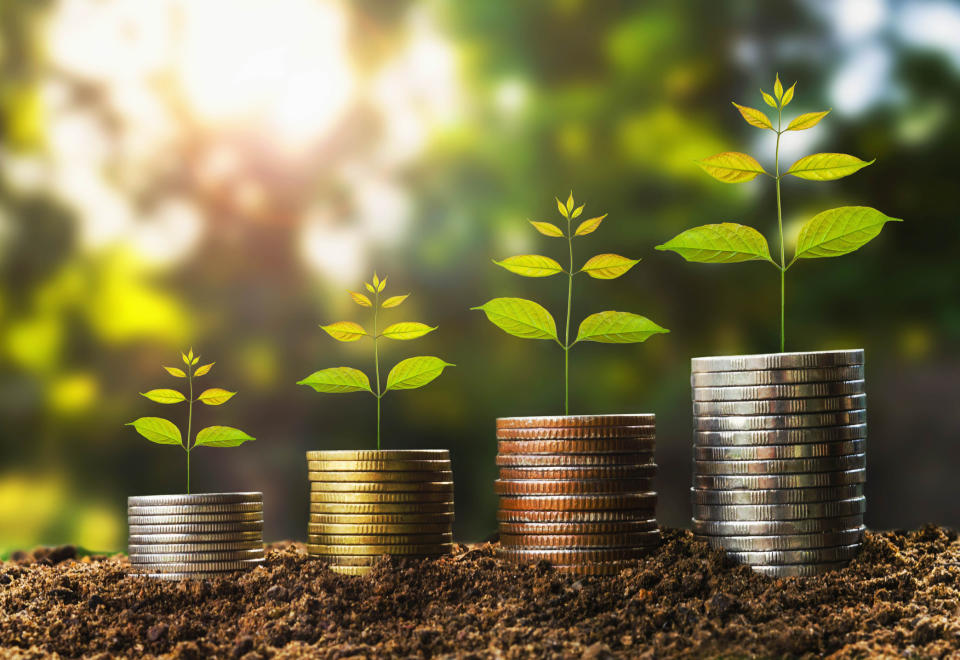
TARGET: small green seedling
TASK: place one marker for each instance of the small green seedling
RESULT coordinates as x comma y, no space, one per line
408,374
529,320
165,432
831,233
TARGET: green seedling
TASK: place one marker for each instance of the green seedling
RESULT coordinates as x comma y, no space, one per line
831,233
164,432
408,374
530,320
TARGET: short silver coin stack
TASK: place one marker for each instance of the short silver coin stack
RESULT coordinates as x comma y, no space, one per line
779,459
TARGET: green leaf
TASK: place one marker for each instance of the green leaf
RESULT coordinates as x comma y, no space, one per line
827,167
369,287
530,265
754,117
376,279
394,301
360,299
778,88
840,231
204,370
787,96
608,266
186,359
617,328
221,436
215,396
415,372
723,243
520,318
345,331
807,120
731,167
577,211
570,202
769,100
383,284
407,330
547,228
338,380
589,226
157,430
178,373
562,208
194,360
164,396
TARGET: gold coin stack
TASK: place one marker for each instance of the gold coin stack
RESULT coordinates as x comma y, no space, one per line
366,504
174,537
577,491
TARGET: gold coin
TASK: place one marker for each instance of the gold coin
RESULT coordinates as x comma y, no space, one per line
379,539
586,446
569,487
426,549
381,507
381,518
573,460
350,570
349,560
379,498
376,466
575,421
379,455
378,477
396,528
571,556
578,433
384,487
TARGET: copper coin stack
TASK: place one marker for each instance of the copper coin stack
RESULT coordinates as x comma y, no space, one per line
366,504
779,458
577,491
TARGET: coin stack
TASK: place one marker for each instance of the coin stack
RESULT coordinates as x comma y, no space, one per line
366,504
577,491
779,458
176,537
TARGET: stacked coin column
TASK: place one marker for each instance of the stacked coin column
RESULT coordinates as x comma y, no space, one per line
365,504
779,458
577,491
195,536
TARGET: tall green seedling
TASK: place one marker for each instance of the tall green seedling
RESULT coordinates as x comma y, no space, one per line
530,320
831,233
164,432
408,374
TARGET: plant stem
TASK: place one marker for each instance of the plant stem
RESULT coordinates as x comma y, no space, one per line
189,423
783,259
566,337
376,359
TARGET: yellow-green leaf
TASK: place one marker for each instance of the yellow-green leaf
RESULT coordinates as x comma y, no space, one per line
778,88
186,359
376,279
215,396
369,287
754,117
415,372
178,373
617,328
520,318
826,167
204,370
787,96
338,380
164,396
731,167
608,266
840,231
407,330
157,430
589,226
221,436
570,202
577,211
360,299
562,208
194,360
345,331
531,265
547,228
769,100
724,243
394,301
807,120
383,285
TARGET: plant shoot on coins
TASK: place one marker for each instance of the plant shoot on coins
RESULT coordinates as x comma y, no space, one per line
164,432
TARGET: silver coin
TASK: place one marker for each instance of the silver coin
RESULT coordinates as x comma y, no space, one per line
779,406
802,360
785,466
857,505
201,566
764,422
197,498
785,541
774,481
174,548
776,496
775,527
180,557
810,556
765,392
194,509
774,377
247,516
779,437
773,452
195,537
799,570
198,528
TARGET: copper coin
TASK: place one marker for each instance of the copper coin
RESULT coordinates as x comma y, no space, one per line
575,420
573,460
578,432
647,471
626,515
572,555
625,540
381,476
579,502
570,487
614,445
612,527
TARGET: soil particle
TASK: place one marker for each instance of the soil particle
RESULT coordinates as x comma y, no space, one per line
900,597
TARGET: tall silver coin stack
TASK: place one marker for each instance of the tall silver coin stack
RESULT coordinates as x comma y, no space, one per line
577,491
779,459
175,537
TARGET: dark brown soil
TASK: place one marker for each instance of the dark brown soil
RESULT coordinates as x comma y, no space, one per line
900,597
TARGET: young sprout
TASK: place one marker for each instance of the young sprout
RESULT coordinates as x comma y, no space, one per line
529,320
831,233
408,374
165,432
